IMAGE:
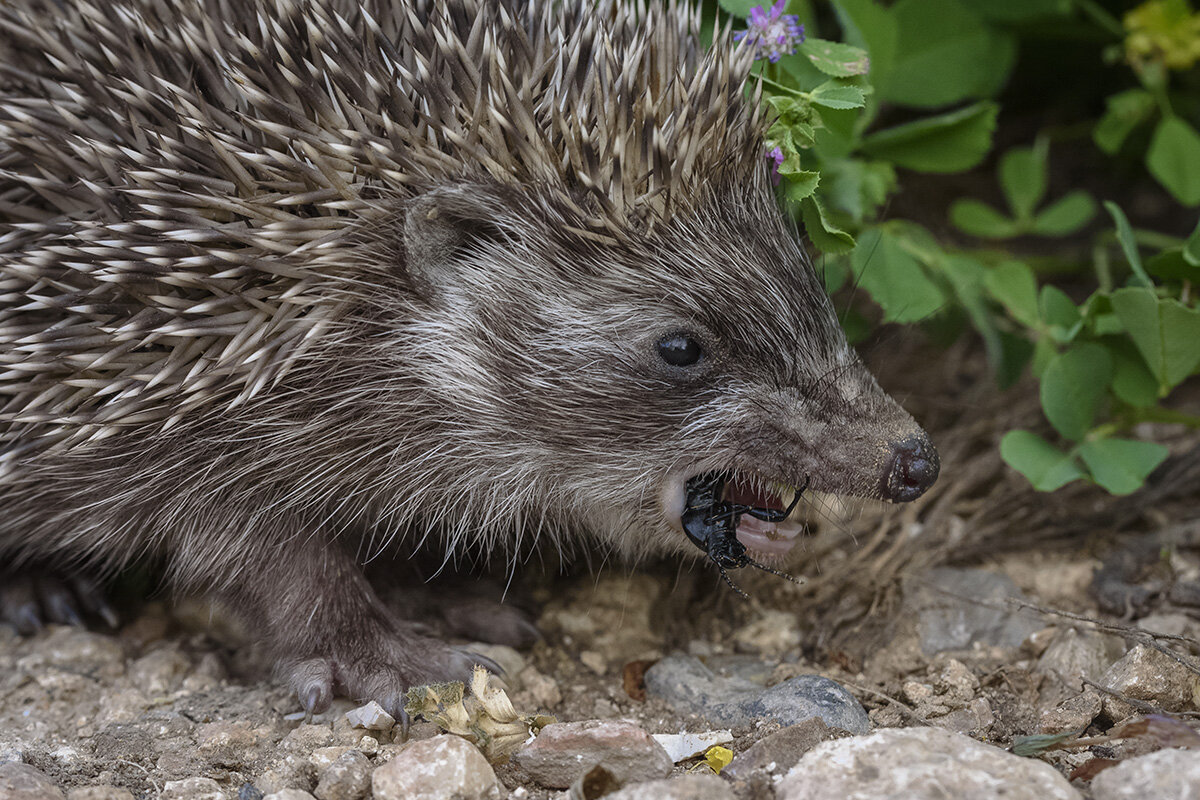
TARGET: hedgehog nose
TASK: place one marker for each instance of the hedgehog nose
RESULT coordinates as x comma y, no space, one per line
911,470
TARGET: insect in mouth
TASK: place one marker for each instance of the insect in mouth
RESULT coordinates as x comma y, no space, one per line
711,523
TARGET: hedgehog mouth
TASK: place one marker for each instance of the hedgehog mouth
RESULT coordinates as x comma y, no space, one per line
764,540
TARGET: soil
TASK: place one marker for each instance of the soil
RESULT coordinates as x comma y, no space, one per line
169,696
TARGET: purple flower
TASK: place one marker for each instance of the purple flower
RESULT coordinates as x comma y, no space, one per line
773,33
776,156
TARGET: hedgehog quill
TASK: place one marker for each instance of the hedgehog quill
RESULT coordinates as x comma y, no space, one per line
284,283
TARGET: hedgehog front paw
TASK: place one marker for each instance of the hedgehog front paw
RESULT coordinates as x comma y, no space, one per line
380,668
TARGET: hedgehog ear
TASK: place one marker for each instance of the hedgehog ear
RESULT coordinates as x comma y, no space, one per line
439,226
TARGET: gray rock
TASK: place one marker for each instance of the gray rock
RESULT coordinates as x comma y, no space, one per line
919,764
347,778
779,751
1072,655
564,751
289,794
306,738
1147,674
689,686
371,716
193,789
957,608
23,782
442,768
1165,775
685,787
99,793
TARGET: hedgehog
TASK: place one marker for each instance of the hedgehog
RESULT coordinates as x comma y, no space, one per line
287,284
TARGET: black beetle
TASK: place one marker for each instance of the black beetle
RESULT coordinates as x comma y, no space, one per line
711,523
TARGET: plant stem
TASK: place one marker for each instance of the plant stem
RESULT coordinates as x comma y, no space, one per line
1101,17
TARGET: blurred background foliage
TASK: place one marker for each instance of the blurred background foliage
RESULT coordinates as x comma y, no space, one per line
1028,170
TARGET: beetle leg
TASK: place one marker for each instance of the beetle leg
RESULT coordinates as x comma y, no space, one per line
732,585
773,571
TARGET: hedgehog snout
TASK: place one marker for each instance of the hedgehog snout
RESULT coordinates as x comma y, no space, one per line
912,468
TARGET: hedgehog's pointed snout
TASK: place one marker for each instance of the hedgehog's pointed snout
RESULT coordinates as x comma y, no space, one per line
912,468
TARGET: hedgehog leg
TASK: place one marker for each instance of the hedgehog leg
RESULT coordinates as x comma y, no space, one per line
330,634
31,598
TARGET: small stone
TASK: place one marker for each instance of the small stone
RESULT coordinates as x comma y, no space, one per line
1073,714
685,787
919,764
249,791
23,782
120,706
564,751
691,687
772,634
958,608
193,789
292,771
441,768
308,738
289,794
1164,775
371,716
348,778
594,661
779,751
208,674
227,744
368,745
99,793
322,757
1150,675
511,662
1071,656
159,671
975,717
542,690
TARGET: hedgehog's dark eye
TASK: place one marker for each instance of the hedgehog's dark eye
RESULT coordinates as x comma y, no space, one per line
680,350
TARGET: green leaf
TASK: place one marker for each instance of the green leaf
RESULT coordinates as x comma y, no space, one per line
1132,382
1023,178
741,8
894,278
1126,110
1121,465
1058,311
1128,242
1174,159
949,142
979,219
1191,248
1015,287
1015,352
966,276
1066,215
834,58
832,94
945,53
1018,10
1073,386
1046,467
1172,265
1166,333
825,236
868,25
800,183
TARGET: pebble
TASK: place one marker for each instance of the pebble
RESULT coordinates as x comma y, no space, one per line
159,671
564,751
959,608
541,690
919,764
23,782
1072,655
779,751
688,685
308,738
1147,674
1072,714
289,794
99,793
226,744
685,787
619,616
348,778
193,789
1164,775
371,716
442,768
772,634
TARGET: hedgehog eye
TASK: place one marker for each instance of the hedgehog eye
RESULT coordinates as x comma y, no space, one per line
680,350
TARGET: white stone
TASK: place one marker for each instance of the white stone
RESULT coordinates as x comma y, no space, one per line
681,746
919,764
1165,775
442,768
371,716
